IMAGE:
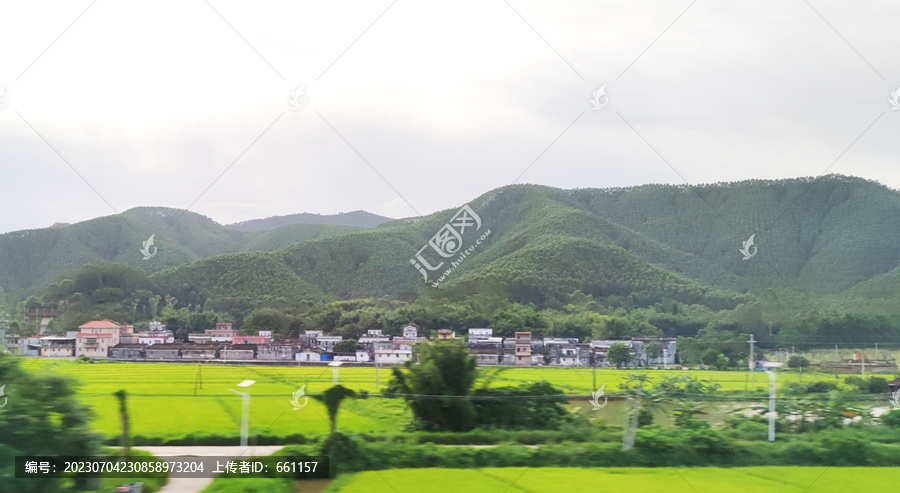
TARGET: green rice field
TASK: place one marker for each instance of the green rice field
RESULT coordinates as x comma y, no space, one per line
170,400
671,480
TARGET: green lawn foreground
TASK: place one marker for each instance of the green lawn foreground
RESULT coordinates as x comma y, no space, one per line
670,480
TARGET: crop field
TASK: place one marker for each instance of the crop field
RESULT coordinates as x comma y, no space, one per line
169,400
686,480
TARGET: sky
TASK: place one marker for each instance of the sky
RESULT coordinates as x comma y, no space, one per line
410,107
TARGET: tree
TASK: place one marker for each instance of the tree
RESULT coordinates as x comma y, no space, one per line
722,361
268,319
797,361
332,399
346,346
445,369
121,395
710,357
653,350
619,354
42,416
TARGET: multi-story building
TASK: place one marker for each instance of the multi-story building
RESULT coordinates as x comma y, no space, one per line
96,337
410,332
224,332
523,348
372,337
327,342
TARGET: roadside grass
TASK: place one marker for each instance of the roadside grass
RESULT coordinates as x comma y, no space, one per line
673,480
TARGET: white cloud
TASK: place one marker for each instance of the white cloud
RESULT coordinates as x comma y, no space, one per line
150,102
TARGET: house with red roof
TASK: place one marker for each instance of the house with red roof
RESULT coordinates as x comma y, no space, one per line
95,338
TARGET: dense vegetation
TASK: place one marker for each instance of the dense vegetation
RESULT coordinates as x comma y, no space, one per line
650,261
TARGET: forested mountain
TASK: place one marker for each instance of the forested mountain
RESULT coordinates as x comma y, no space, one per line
32,258
355,218
647,244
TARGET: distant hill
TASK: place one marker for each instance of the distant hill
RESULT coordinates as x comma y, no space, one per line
654,242
834,239
355,218
33,258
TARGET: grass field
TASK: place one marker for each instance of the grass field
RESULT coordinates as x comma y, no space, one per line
162,400
686,480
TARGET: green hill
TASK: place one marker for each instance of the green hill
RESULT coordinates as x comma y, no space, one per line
655,242
34,258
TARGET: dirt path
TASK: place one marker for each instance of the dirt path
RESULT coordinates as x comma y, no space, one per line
194,485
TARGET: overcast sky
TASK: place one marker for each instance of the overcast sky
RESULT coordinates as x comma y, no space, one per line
417,106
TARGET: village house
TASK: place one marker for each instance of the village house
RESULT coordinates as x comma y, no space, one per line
446,334
667,350
373,336
275,352
310,338
149,338
487,354
156,335
224,332
355,357
480,333
127,351
199,351
327,343
257,340
311,355
57,347
523,348
96,337
40,317
163,351
238,352
600,348
200,338
392,353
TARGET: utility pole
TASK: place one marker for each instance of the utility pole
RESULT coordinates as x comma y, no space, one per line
752,363
838,358
771,405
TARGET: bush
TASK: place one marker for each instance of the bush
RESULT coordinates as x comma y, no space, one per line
797,362
892,418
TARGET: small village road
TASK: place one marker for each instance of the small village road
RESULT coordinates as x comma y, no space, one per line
194,485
